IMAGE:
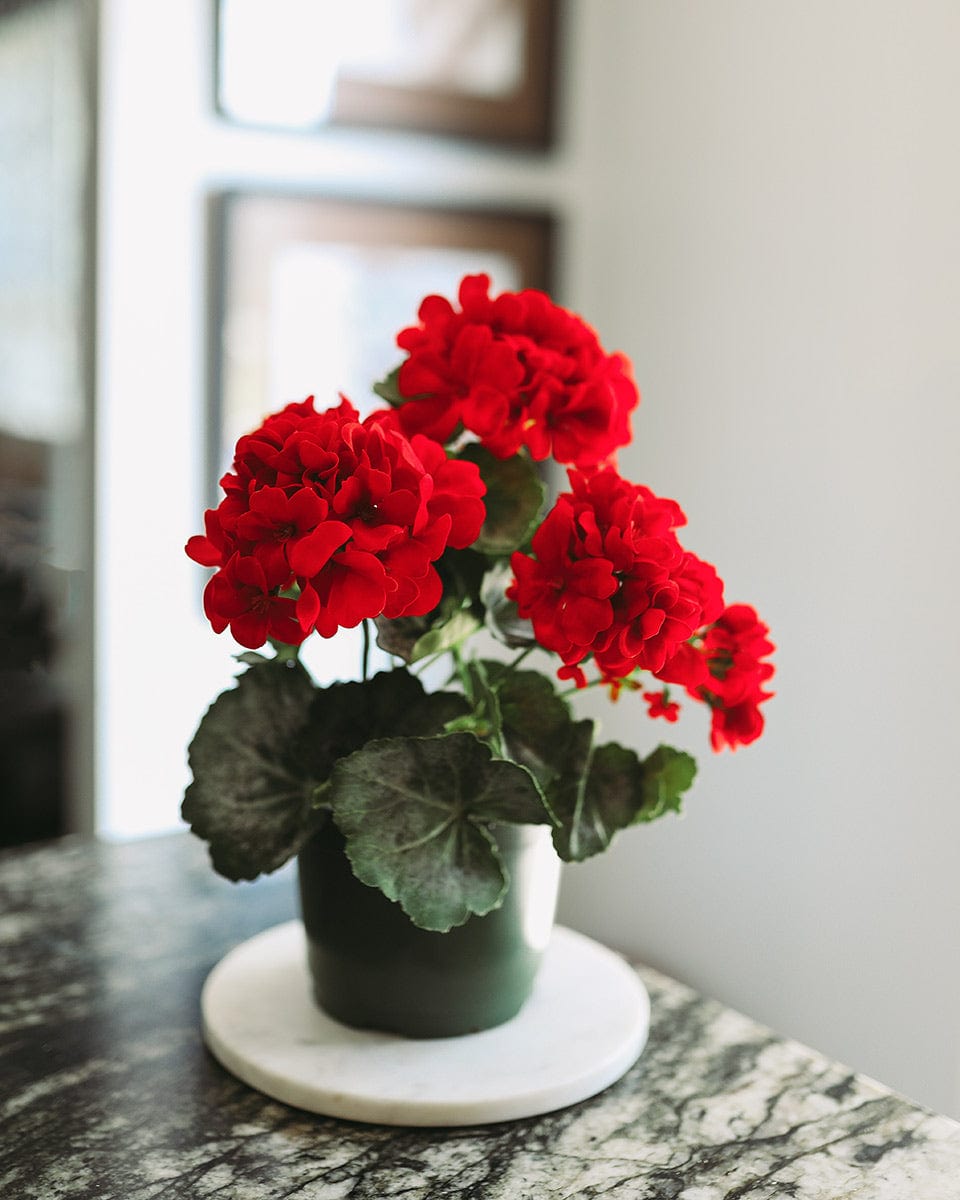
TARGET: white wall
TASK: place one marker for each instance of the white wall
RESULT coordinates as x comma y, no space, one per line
761,199
775,238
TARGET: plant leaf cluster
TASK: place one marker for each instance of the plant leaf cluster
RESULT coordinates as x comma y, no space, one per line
417,782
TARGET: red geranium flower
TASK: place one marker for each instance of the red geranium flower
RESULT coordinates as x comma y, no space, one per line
278,522
734,649
608,577
517,371
660,705
723,666
346,517
247,597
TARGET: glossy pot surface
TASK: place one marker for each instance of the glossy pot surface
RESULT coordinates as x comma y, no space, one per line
373,968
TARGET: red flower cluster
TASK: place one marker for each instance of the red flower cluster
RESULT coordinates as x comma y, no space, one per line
517,371
734,648
611,580
328,520
724,667
608,578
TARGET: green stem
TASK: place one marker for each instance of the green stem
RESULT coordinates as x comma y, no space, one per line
575,691
284,651
519,659
366,650
463,674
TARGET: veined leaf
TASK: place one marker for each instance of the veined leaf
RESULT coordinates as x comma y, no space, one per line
603,789
265,747
415,813
585,827
537,725
253,777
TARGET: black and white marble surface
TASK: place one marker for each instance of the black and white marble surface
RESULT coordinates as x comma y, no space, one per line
107,1093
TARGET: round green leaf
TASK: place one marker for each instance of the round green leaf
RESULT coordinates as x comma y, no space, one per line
251,795
415,813
264,747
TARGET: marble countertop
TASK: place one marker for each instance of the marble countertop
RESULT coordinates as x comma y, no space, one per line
107,1092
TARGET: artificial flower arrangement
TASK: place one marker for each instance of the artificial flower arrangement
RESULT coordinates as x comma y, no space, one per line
427,522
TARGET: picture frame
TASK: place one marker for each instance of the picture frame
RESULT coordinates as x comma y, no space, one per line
476,69
308,293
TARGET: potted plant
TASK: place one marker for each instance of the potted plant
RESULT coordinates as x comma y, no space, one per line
430,821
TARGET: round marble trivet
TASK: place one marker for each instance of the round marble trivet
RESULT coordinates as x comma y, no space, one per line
582,1028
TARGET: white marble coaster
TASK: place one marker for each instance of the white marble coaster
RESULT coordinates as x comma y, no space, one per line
583,1027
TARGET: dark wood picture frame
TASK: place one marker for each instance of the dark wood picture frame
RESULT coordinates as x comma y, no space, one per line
254,235
522,116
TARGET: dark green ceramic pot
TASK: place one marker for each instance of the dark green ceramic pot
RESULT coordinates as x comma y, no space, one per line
374,969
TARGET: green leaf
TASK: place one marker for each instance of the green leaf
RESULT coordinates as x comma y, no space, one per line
450,633
588,814
251,658
500,614
462,574
264,748
604,789
389,389
345,716
667,774
414,813
399,635
515,496
537,725
253,777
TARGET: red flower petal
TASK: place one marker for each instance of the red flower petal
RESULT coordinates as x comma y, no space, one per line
203,551
357,587
250,630
309,554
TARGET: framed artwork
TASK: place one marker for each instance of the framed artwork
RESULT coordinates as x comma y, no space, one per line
469,68
309,293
